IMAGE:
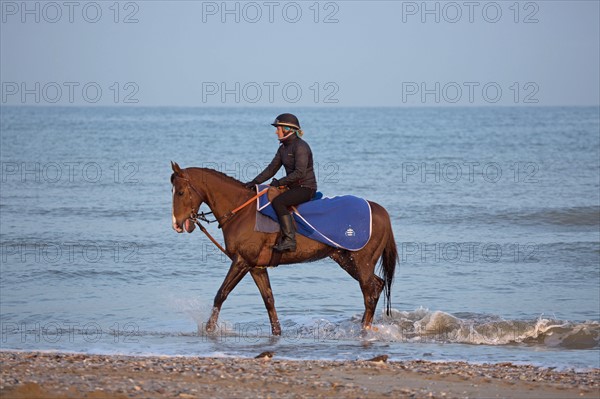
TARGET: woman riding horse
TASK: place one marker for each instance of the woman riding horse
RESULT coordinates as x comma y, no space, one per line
296,157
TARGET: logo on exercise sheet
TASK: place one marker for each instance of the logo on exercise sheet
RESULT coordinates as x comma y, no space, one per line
350,232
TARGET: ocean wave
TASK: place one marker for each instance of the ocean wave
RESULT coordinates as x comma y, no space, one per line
571,216
423,325
579,216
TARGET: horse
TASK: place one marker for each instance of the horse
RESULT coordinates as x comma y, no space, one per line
250,251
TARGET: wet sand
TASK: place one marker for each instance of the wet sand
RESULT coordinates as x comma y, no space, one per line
62,375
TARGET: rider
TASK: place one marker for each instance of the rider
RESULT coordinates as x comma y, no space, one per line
295,155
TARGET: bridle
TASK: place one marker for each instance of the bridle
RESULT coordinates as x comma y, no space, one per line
203,216
195,217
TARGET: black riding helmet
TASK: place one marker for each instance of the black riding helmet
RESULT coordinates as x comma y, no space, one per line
287,120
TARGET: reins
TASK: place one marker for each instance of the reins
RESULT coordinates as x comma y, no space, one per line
231,214
210,237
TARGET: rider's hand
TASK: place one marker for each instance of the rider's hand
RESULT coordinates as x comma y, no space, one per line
275,183
250,185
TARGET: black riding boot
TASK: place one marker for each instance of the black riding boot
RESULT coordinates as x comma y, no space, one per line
288,234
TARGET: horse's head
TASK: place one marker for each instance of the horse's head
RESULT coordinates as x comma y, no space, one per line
186,200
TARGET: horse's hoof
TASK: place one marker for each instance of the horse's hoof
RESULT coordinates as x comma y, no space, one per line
364,332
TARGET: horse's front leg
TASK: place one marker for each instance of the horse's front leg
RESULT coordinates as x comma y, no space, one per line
238,269
261,278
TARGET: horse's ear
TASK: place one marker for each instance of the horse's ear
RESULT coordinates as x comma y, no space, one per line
176,168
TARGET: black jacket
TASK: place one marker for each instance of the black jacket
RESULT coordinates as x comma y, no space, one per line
295,155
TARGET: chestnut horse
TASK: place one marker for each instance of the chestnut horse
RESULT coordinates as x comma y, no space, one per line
251,250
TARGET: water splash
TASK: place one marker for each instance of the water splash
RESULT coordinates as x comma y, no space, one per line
423,325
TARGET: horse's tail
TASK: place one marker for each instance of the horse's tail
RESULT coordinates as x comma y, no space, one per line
389,259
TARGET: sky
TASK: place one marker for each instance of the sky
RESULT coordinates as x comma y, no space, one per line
302,53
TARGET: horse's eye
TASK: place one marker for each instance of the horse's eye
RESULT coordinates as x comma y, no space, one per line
180,193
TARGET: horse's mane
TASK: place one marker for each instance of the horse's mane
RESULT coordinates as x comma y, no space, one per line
220,174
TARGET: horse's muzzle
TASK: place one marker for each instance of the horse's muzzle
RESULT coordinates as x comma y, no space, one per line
188,226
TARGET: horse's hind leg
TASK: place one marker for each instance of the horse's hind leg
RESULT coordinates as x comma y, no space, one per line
261,278
238,269
371,292
370,284
361,266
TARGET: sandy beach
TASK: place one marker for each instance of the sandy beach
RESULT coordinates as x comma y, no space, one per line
62,375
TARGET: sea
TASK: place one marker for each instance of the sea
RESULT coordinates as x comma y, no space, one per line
495,212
